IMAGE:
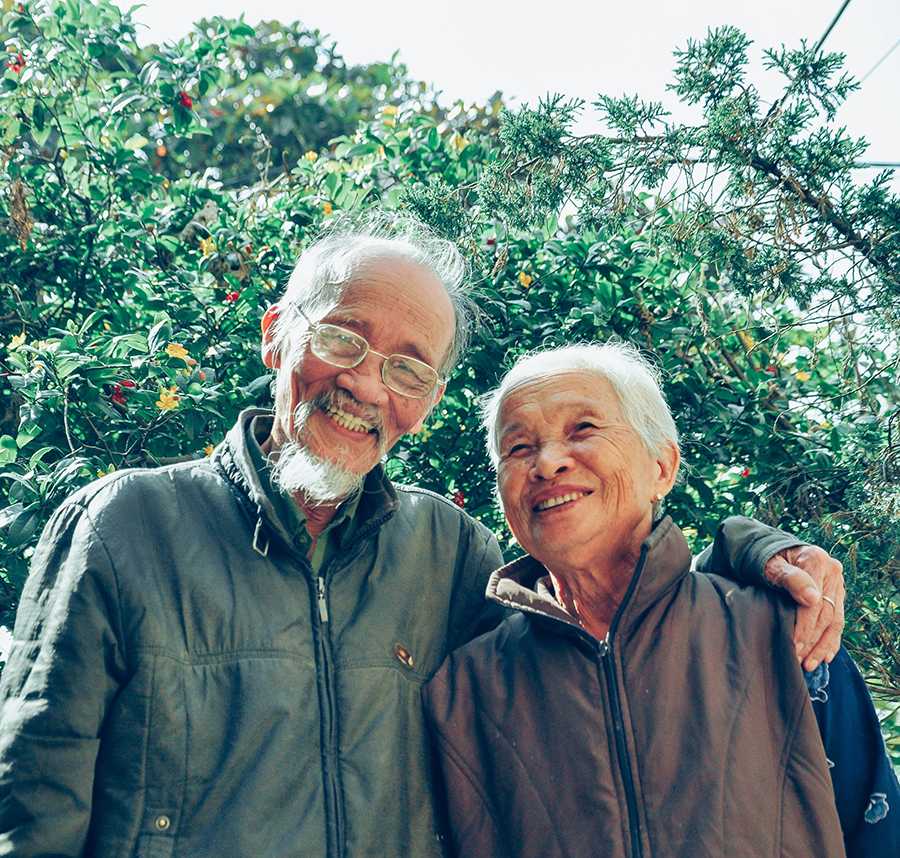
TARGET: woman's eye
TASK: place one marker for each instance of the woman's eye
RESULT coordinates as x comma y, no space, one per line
517,449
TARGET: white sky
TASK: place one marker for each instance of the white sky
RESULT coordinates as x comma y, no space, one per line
471,48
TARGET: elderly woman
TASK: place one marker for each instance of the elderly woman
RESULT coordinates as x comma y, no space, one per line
630,707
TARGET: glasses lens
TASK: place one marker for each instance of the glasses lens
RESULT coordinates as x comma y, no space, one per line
338,346
409,376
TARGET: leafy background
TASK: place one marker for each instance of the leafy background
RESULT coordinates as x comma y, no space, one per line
153,201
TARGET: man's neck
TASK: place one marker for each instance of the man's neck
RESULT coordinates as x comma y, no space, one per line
318,516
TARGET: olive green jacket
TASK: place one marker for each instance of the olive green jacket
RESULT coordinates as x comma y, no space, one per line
181,684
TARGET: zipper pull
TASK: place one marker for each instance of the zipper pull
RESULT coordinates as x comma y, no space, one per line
603,647
320,598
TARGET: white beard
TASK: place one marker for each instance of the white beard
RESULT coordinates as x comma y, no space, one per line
317,479
297,469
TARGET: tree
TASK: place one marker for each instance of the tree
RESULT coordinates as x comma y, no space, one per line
134,282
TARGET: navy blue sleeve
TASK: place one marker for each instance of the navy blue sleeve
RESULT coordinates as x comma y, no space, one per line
866,791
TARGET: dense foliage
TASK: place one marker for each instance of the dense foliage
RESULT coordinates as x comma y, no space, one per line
154,201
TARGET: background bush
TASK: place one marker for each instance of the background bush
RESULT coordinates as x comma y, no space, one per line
154,200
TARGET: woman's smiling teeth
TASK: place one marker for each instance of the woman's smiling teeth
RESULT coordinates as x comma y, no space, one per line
349,421
559,500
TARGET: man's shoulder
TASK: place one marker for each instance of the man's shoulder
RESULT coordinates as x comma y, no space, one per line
419,502
136,491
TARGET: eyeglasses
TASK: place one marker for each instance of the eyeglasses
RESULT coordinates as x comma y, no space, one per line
400,373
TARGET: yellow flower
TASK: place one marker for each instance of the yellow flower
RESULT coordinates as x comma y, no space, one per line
802,375
525,279
107,326
101,472
176,350
208,449
168,399
388,121
311,156
16,341
389,110
459,142
7,5
746,339
327,208
208,246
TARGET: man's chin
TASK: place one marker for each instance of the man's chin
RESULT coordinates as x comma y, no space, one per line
320,480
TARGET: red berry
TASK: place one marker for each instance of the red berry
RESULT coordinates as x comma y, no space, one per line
185,100
459,498
231,297
745,472
118,397
127,382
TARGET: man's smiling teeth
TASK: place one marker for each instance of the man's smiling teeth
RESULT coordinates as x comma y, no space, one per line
560,499
348,421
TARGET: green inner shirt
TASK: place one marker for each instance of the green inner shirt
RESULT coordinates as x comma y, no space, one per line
337,533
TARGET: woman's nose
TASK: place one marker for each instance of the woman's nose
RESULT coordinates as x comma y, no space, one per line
552,459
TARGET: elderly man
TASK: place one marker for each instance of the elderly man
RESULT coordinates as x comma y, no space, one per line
224,657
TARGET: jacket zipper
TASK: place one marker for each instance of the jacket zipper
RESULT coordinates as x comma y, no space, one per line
320,599
333,798
333,807
606,657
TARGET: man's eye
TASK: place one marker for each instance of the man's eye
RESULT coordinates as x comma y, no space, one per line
585,426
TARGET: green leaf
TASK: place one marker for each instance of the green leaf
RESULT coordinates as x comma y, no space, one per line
8,449
136,141
24,525
159,334
9,130
27,434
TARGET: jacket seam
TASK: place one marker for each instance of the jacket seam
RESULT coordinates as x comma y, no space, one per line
145,753
465,770
524,769
223,657
787,761
120,620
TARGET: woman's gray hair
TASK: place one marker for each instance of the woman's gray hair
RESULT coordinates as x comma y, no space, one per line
328,265
633,378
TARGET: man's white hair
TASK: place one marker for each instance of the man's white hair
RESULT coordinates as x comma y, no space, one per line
351,241
633,378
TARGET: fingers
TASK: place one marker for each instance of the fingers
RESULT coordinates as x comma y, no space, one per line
807,573
831,619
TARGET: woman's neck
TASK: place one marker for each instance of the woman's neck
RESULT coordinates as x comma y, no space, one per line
592,593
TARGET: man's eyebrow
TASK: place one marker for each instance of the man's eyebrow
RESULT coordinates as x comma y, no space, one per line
361,326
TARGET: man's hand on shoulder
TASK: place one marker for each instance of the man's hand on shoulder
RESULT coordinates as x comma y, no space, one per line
815,581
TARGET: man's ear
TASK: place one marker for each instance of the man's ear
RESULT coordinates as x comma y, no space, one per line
270,355
667,463
435,399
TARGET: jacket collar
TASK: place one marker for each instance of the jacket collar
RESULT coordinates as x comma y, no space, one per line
524,584
378,502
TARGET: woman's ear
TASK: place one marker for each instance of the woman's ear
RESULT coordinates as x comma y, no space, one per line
270,355
667,463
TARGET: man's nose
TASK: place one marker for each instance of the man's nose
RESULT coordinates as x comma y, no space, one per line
552,459
364,381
